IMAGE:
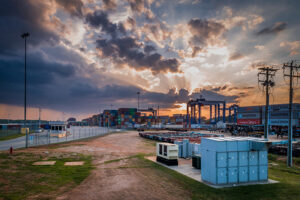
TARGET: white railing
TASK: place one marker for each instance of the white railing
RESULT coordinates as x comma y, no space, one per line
73,133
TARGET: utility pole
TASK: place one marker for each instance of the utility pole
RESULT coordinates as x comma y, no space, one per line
24,36
99,117
265,77
293,74
138,93
40,110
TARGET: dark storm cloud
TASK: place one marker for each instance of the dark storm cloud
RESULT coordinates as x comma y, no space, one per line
17,17
107,92
74,7
123,49
99,19
276,28
128,94
214,88
149,49
60,86
41,75
204,32
128,50
212,96
236,56
171,98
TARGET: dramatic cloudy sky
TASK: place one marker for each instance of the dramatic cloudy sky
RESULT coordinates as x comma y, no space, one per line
86,55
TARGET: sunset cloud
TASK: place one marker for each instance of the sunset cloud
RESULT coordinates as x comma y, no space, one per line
205,32
294,47
74,7
87,54
236,56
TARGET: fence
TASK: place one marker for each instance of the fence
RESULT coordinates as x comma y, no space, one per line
9,132
74,133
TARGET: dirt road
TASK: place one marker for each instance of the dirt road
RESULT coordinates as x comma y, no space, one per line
120,172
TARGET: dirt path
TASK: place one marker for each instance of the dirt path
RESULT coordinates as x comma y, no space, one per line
125,178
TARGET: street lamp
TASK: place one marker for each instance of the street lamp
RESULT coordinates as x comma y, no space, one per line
24,36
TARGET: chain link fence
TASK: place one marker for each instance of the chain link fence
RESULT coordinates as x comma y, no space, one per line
73,133
9,132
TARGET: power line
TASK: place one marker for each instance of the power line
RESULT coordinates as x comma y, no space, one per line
294,68
265,78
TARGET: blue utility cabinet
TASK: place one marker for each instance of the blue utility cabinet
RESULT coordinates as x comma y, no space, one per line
232,160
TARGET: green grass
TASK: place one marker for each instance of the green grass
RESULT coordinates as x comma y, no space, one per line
9,137
11,134
288,188
19,179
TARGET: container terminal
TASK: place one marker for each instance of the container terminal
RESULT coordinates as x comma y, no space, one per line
227,149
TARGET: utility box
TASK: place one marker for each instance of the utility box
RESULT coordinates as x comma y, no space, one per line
230,160
23,130
196,161
167,153
187,149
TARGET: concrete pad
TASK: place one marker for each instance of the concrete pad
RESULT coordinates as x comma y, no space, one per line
185,167
77,163
44,163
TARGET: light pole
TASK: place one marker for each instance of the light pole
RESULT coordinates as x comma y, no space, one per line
138,93
24,36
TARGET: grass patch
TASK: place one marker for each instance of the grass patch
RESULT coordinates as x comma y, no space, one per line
19,179
126,158
12,136
283,159
62,145
288,188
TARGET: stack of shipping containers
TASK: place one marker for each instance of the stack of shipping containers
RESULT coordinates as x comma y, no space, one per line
164,119
127,117
179,118
110,117
279,115
251,115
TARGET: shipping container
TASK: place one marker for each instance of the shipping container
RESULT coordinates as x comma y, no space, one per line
249,121
249,115
249,109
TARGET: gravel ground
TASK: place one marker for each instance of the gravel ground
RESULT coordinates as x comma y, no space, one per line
123,178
